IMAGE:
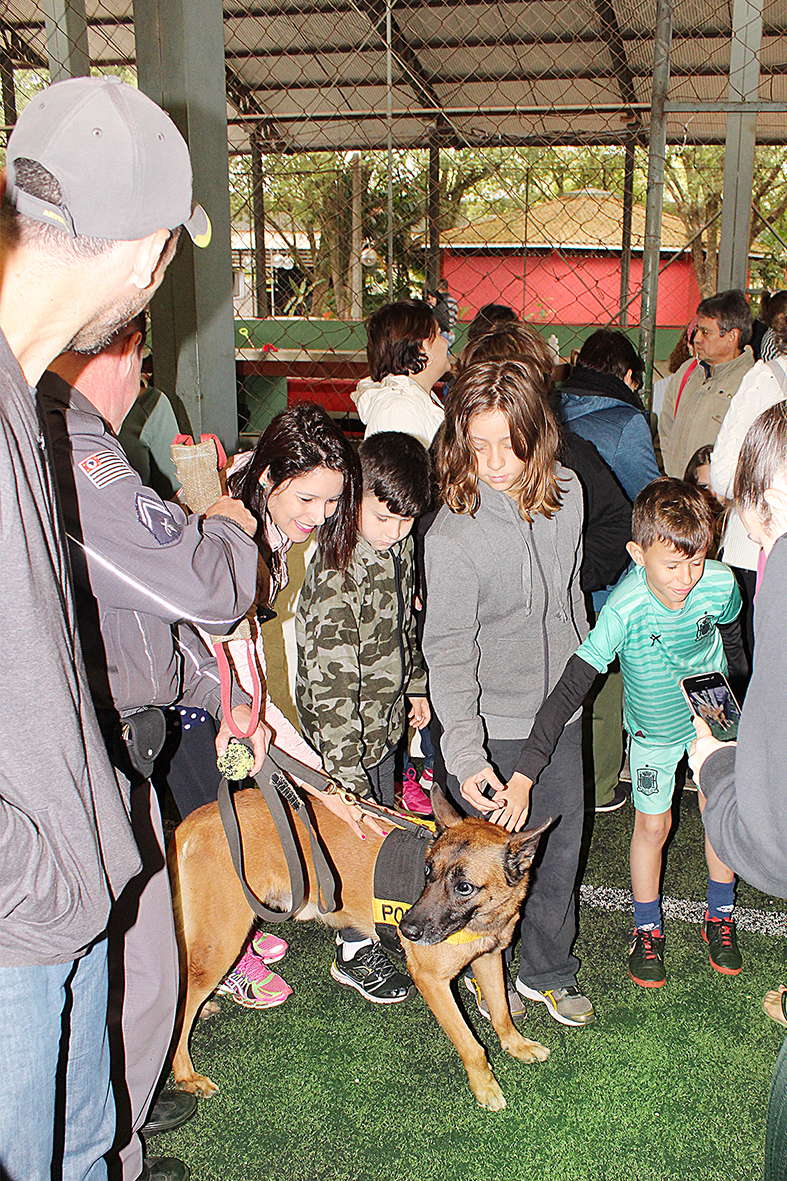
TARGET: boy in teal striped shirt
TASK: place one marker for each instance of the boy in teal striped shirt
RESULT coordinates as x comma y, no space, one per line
672,616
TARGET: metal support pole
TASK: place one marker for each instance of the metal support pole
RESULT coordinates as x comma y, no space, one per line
356,241
180,65
389,135
9,91
625,245
741,139
657,159
258,215
524,243
433,215
66,39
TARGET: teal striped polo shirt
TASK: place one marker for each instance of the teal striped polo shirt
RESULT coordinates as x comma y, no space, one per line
657,646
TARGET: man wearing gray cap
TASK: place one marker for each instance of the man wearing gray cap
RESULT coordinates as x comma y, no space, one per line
98,184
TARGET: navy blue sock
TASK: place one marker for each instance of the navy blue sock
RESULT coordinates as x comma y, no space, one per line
721,899
647,915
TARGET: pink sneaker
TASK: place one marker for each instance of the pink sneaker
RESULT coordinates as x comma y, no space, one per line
269,948
252,984
427,779
415,800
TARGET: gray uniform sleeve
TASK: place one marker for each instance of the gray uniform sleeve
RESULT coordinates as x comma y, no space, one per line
201,683
145,554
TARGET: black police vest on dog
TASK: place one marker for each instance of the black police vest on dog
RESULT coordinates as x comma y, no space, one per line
398,880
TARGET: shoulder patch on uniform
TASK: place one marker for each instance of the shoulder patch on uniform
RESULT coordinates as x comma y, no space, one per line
105,467
157,519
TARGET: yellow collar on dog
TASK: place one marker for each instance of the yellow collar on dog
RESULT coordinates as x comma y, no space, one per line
463,937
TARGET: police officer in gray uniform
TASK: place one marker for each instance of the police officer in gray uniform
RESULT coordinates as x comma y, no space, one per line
146,575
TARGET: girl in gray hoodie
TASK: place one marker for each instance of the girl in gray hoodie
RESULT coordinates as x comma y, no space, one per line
504,613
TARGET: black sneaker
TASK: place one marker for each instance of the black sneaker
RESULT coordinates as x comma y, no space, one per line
722,941
372,974
646,959
618,800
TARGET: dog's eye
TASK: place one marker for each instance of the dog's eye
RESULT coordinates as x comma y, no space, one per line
427,871
465,889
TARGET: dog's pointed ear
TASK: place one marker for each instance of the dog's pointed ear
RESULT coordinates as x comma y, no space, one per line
520,851
444,813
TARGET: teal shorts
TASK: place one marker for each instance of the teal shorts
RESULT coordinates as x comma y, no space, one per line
653,774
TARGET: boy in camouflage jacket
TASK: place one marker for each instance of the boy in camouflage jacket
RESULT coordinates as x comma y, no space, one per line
358,660
357,652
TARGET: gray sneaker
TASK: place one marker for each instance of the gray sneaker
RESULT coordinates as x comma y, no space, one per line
518,1010
566,1005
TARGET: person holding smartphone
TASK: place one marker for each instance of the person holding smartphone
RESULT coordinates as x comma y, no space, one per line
742,785
672,616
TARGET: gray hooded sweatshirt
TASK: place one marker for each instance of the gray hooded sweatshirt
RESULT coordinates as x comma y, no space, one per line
504,614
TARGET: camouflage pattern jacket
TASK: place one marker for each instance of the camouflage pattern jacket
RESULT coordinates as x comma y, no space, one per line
357,658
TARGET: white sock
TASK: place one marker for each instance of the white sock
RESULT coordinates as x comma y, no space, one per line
349,948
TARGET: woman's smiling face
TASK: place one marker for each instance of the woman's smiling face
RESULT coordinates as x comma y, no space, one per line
300,505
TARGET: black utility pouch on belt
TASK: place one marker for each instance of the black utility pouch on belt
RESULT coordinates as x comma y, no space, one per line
137,742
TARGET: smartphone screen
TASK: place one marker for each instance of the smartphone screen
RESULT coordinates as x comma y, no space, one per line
710,698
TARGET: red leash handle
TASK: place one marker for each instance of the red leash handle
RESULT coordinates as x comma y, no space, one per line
225,677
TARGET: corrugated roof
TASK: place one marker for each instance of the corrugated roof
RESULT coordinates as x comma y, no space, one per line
480,73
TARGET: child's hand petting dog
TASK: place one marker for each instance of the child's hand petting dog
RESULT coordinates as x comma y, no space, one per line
474,789
508,806
420,713
513,803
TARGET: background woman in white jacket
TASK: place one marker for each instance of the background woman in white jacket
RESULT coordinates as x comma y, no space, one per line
407,355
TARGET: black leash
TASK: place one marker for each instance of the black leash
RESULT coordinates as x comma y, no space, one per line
273,783
275,786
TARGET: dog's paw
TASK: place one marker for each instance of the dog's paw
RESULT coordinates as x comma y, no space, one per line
197,1084
208,1010
489,1094
527,1051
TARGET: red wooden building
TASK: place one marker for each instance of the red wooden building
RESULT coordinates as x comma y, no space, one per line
569,270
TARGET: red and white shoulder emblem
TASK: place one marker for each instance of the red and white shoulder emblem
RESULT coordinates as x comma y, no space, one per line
105,467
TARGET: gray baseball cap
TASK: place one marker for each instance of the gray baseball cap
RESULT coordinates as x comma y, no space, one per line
121,163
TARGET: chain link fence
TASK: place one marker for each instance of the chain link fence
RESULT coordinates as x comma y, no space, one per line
377,149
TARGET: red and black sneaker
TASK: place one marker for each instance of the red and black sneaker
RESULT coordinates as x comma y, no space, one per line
722,941
646,958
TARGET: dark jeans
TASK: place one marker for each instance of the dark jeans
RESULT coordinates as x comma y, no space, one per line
187,763
549,920
381,776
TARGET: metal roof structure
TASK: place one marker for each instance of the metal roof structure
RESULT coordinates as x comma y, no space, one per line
314,74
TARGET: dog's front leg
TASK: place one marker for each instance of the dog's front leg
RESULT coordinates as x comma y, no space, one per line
488,970
436,991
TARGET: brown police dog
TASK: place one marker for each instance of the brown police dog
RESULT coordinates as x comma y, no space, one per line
476,880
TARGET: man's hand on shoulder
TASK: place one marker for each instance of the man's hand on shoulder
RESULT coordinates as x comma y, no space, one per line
235,510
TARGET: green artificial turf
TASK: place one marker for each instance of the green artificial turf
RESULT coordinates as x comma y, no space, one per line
669,1083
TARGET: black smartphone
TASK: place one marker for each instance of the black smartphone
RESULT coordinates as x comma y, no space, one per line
710,698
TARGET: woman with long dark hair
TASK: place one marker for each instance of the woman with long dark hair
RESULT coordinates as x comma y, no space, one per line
302,479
